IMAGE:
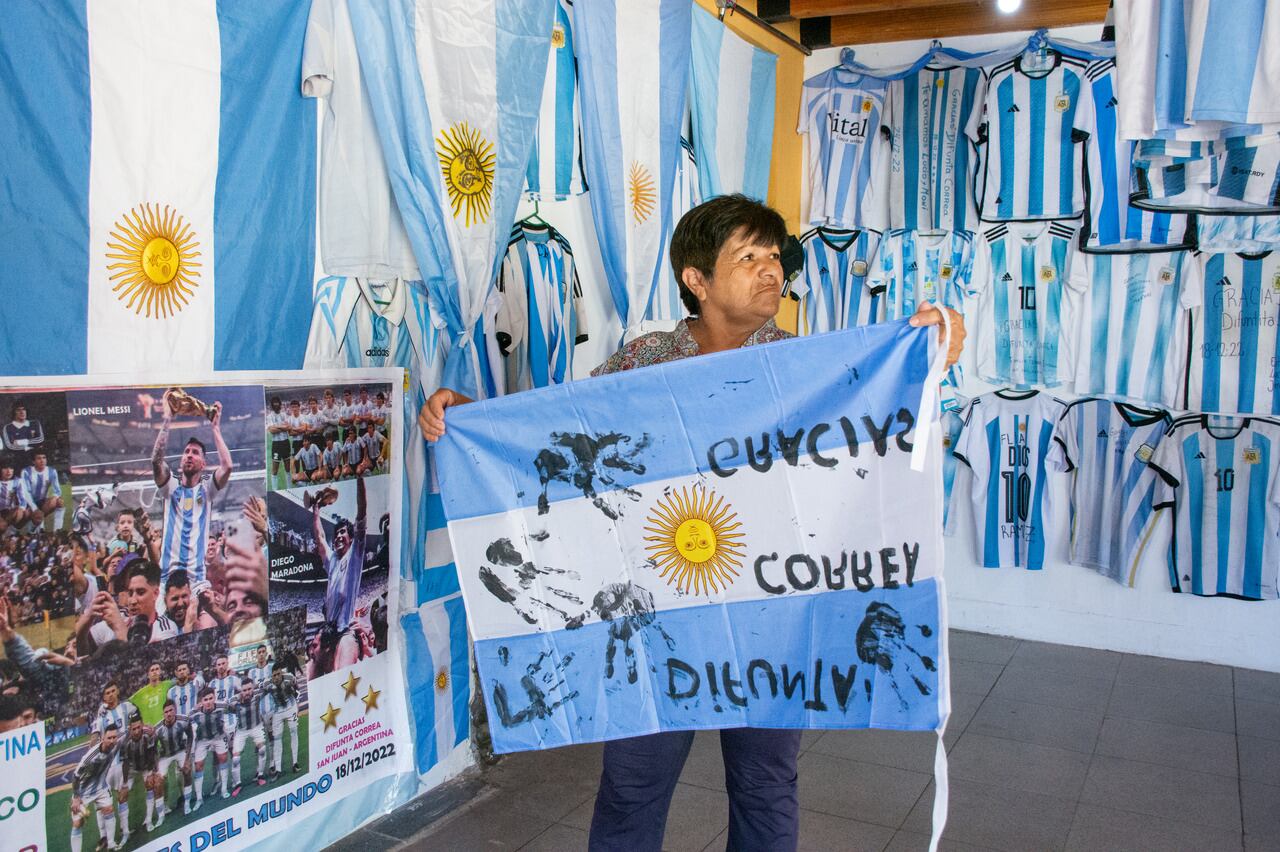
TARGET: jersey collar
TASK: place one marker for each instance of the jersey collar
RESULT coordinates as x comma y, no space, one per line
392,312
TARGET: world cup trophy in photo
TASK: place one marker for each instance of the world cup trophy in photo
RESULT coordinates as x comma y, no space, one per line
181,402
324,497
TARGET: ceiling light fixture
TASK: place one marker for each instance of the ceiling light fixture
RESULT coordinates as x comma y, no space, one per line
1008,7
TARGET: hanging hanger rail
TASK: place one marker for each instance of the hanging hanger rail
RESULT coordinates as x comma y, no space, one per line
730,7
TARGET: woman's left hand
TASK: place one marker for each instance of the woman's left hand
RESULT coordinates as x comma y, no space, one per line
931,315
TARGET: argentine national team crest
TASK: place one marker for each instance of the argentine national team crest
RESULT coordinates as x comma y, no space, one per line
1062,102
467,160
635,559
155,260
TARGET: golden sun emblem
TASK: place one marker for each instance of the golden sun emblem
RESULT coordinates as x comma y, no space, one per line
695,543
155,253
643,196
467,161
442,679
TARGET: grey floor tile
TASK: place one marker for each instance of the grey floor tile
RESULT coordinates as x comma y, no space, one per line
697,815
821,832
882,795
963,707
1170,745
1018,765
1258,718
910,841
548,784
364,840
580,817
705,764
558,838
996,817
1066,659
1258,686
719,844
1261,812
1055,689
1173,707
1163,791
1060,727
1175,674
1260,760
982,647
808,738
1260,844
422,812
492,825
1099,829
913,750
974,677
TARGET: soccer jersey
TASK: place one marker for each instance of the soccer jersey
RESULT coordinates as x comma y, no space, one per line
952,424
224,692
931,172
284,694
331,458
138,755
207,726
184,697
150,700
23,435
260,675
352,450
14,495
541,320
1235,176
913,267
309,458
1021,271
93,772
1232,351
371,444
1131,310
842,113
834,287
249,714
555,165
1219,476
118,716
172,739
41,484
1106,446
187,512
343,589
1238,233
1005,443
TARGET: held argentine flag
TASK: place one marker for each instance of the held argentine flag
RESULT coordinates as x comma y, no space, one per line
732,86
435,636
158,170
740,539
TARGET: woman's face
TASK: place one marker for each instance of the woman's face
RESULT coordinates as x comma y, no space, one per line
746,283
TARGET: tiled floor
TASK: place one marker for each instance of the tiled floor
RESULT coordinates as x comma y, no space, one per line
1051,747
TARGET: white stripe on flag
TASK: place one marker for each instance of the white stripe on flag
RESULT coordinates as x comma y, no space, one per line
144,58
732,109
435,628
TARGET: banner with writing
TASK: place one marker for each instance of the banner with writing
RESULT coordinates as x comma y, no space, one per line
195,608
736,539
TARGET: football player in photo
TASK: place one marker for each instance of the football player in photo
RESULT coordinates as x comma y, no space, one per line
173,742
45,490
139,760
251,719
337,645
91,785
209,733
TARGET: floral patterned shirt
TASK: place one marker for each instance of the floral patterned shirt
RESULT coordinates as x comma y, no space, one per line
659,347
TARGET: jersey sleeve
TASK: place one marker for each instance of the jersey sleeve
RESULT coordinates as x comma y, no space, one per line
324,341
510,322
1164,463
1064,452
579,308
970,446
1192,282
1081,273
318,51
808,96
980,273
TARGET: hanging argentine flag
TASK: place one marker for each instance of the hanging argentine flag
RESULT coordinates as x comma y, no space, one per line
732,87
159,171
455,87
436,650
750,538
633,67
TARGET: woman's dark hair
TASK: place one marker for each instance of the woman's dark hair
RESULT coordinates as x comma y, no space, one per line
704,230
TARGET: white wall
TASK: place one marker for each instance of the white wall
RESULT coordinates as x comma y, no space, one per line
1067,603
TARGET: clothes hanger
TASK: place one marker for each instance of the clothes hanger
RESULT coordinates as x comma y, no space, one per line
534,219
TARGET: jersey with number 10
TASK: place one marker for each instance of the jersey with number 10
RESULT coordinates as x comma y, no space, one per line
1220,476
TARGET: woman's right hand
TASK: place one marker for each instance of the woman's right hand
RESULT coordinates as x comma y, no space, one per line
431,417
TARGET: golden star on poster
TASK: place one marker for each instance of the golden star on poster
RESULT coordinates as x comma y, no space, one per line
349,687
371,699
330,717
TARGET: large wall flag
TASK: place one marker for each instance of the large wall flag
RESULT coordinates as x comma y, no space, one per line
633,62
732,86
455,87
159,171
728,540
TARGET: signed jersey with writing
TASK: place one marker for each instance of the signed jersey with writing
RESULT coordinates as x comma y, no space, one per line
842,114
1005,441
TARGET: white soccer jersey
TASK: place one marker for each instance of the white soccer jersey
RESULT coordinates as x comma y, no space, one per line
342,591
842,113
371,445
914,267
1130,312
1232,351
1005,443
224,693
14,495
1021,271
932,170
1238,233
952,424
1238,176
1105,446
41,484
541,318
1219,476
555,165
309,458
1032,125
834,287
351,450
187,513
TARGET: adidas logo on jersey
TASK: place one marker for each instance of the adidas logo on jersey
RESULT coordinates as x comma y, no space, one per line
1224,281
1199,455
1006,277
1013,108
377,352
1102,433
911,267
1113,103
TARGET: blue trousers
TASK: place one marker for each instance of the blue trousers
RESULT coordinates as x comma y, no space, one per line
640,777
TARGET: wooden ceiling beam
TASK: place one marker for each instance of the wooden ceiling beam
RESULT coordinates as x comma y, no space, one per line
789,10
947,20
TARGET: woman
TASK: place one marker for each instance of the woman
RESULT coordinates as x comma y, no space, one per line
725,254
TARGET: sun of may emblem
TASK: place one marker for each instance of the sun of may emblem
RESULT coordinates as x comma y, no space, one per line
694,540
442,679
467,161
155,267
641,190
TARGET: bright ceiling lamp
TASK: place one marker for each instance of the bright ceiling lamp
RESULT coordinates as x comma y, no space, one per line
1008,6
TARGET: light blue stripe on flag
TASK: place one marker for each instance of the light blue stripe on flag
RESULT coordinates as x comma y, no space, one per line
760,113
440,678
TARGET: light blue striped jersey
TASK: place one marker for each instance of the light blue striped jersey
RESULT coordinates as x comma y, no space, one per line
14,494
1239,176
1237,233
1132,312
834,287
1005,443
844,115
188,509
1219,475
1032,126
931,174
540,320
185,696
120,715
555,164
41,484
1105,446
664,299
1021,271
1235,329
952,424
1111,224
914,267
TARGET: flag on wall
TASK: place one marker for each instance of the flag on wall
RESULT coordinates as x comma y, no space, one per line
436,649
758,549
732,87
159,174
633,66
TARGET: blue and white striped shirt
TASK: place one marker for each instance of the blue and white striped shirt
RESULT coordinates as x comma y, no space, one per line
835,288
843,114
555,165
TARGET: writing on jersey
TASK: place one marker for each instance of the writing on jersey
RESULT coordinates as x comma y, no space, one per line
914,267
1219,476
835,287
187,512
1005,443
842,113
555,165
172,739
41,484
1021,272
